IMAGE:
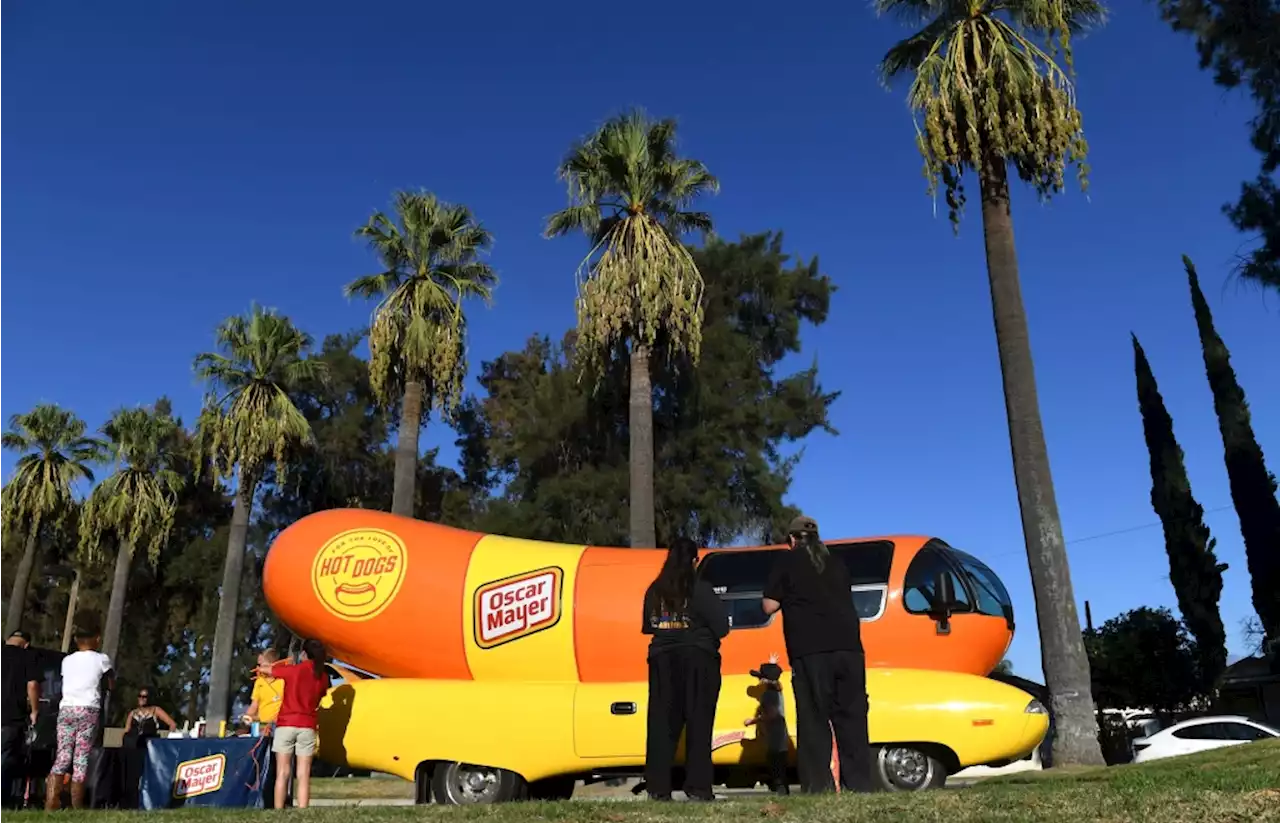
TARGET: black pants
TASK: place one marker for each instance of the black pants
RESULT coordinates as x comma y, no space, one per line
831,688
12,765
684,686
779,779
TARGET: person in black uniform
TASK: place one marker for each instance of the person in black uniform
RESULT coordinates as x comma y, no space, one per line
824,643
686,621
21,704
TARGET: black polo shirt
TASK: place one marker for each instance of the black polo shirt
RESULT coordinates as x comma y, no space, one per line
19,669
817,607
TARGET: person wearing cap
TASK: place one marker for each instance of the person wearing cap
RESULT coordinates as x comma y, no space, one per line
823,634
21,706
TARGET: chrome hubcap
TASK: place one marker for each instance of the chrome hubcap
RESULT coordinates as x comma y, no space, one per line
475,784
907,768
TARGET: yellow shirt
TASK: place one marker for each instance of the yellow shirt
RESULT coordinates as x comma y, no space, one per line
267,693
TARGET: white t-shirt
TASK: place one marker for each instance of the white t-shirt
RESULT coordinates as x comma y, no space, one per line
81,675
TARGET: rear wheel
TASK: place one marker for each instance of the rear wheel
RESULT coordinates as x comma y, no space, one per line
907,768
553,788
463,784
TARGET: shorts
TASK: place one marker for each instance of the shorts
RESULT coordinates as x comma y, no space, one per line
294,740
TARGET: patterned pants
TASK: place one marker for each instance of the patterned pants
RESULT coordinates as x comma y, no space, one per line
76,727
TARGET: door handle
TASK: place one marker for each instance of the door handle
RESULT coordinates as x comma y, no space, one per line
622,708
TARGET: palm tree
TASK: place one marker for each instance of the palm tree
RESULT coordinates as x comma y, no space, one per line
136,504
55,456
629,193
989,98
247,423
416,343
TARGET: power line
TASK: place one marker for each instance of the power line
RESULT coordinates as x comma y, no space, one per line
1115,533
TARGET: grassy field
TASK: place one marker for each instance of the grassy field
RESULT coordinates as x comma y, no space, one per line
1239,784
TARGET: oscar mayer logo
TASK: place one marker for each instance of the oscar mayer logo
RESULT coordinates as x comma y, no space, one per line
200,776
359,572
726,739
516,607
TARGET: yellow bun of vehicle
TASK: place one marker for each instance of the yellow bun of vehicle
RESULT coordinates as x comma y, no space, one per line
491,741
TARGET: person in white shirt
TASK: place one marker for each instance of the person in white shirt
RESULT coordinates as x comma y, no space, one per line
82,675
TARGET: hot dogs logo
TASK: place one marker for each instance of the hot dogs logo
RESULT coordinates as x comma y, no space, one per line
516,607
359,572
200,776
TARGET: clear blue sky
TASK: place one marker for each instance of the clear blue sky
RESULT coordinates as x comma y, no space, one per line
171,162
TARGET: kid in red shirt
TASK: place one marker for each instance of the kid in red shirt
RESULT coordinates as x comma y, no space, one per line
305,685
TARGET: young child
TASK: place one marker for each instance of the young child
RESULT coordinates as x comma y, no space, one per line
772,720
83,673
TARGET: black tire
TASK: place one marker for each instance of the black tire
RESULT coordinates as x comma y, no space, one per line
464,784
552,788
903,767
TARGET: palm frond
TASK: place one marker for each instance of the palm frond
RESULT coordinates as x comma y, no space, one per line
432,255
56,455
249,420
629,193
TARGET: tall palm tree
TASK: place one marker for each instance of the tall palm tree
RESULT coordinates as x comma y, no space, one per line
430,257
247,423
135,504
55,456
989,98
630,193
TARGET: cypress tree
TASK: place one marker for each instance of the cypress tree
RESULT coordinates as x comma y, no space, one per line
1194,569
1253,488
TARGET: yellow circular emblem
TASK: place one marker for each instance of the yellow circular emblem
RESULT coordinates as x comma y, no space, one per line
358,573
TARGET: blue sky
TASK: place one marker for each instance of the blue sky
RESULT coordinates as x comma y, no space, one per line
170,163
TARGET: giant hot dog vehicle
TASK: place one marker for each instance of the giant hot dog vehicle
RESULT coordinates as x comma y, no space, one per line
490,668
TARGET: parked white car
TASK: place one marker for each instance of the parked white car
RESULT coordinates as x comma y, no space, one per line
1200,735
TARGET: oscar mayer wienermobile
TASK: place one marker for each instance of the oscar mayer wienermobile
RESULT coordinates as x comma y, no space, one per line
529,659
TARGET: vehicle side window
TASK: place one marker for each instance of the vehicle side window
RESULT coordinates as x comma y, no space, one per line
737,572
1243,731
1202,731
738,578
922,578
868,562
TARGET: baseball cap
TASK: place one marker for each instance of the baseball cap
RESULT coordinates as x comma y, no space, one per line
767,671
803,524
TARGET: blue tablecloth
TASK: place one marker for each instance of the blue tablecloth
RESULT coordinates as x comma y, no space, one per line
228,772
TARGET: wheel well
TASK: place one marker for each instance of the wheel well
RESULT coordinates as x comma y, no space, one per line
943,754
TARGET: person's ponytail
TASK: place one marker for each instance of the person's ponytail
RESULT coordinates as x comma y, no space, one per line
815,550
316,655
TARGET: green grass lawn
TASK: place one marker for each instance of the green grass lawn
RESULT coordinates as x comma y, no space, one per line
1239,784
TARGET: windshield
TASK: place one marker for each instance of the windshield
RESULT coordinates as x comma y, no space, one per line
993,598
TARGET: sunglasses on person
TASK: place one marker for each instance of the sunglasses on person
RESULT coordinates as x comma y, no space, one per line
143,698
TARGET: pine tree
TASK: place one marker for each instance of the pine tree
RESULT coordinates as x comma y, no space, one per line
1253,488
1194,570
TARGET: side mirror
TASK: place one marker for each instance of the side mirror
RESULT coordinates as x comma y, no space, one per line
944,597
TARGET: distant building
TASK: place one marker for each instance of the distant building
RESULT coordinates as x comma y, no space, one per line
1251,687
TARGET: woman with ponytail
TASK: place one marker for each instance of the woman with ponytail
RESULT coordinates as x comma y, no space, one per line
823,634
686,620
295,735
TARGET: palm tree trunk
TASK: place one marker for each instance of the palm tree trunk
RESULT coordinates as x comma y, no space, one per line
406,475
73,599
643,530
115,607
21,580
1066,666
224,637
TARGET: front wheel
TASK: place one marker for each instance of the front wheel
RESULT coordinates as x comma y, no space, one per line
461,784
905,768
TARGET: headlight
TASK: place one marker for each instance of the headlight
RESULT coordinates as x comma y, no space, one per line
1035,707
